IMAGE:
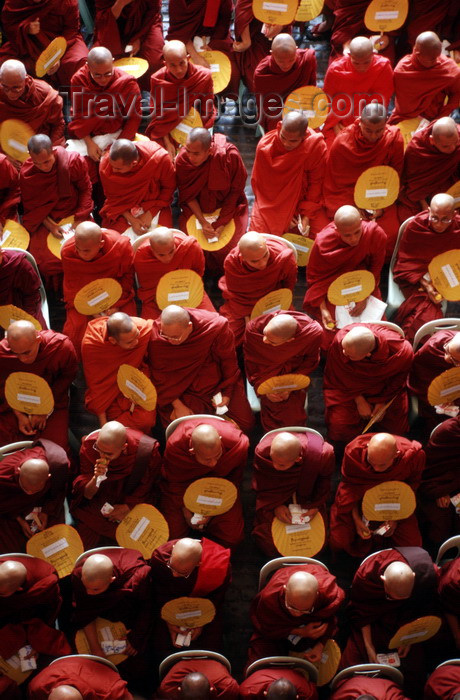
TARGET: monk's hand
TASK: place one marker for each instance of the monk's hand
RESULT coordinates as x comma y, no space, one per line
363,407
34,27
218,231
170,147
196,631
137,226
358,308
378,407
119,511
38,422
337,128
174,630
311,512
371,654
145,219
433,293
188,515
314,630
43,518
208,228
443,502
362,530
272,30
314,654
94,151
241,46
225,401
136,45
392,527
278,396
326,318
284,514
24,423
25,527
54,69
403,651
100,467
180,410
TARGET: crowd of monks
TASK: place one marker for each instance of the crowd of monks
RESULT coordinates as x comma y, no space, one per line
109,194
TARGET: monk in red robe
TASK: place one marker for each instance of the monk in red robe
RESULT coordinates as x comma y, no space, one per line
196,449
139,182
282,342
130,461
54,185
443,683
94,253
107,344
29,589
431,233
47,642
287,179
31,480
289,468
449,594
9,191
278,680
20,284
211,176
277,75
295,611
165,251
9,689
362,686
254,268
369,460
188,673
30,27
349,23
50,355
194,366
191,568
431,163
367,366
88,676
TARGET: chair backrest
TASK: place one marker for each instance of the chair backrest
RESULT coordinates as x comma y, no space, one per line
432,327
389,324
44,300
96,550
292,429
173,425
369,556
394,257
145,236
274,564
450,662
371,670
287,243
17,555
198,654
395,296
284,662
14,447
451,543
91,657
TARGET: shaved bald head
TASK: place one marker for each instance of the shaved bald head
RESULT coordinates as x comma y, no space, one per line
19,330
374,113
427,49
452,350
185,556
361,53
195,686
301,593
398,580
200,135
38,143
444,135
124,150
173,314
174,49
162,244
284,52
254,250
97,574
65,692
280,329
347,221
442,212
382,451
118,324
285,450
88,240
176,58
175,324
12,69
295,122
24,341
12,576
358,343
281,689
33,475
98,55
206,445
112,434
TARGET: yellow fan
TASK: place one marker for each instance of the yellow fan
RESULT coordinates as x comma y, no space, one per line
351,286
445,388
106,632
283,382
408,127
330,659
181,287
50,56
14,136
195,229
55,244
221,69
304,540
377,188
310,100
273,301
137,387
308,9
144,529
392,500
12,669
10,313
182,130
59,545
416,631
454,192
302,245
14,235
274,11
386,15
133,65
444,271
141,137
210,496
188,612
97,296
29,393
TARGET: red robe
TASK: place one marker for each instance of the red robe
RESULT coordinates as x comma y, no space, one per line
256,685
101,360
180,469
56,362
9,190
309,480
449,587
418,246
358,476
272,86
131,479
149,185
14,502
358,685
9,689
443,683
349,22
222,684
288,183
20,284
219,182
114,260
242,286
44,639
202,365
92,678
298,356
378,378
188,255
39,595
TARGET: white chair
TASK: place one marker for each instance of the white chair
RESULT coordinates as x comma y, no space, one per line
293,429
450,662
96,550
44,300
370,670
436,428
14,447
197,654
18,555
373,554
451,543
91,657
252,397
432,327
280,562
288,244
395,297
290,662
389,324
173,425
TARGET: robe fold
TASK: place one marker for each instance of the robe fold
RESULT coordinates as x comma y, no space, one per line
44,639
20,284
38,597
256,685
9,190
223,686
443,683
449,587
92,678
356,686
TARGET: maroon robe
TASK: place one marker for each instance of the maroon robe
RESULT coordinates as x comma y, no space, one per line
256,685
349,22
91,677
39,595
223,686
9,190
443,683
20,284
358,685
9,689
46,640
449,587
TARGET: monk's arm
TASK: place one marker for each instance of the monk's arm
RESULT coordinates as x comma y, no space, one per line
322,486
326,318
223,352
65,371
71,18
245,41
118,7
91,635
28,283
80,180
313,177
166,179
133,117
56,122
239,175
361,529
367,638
194,205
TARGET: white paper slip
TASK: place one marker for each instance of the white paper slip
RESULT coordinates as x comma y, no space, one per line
55,547
197,519
106,509
184,640
414,635
5,237
213,240
220,410
26,664
178,296
450,275
98,298
297,528
387,14
387,506
351,290
373,311
185,128
275,6
188,614
106,634
136,390
376,193
139,529
46,65
208,501
272,309
30,399
19,146
100,479
215,68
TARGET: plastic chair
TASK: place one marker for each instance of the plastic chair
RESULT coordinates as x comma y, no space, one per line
287,243
173,425
198,654
284,662
371,670
44,300
432,327
395,297
293,429
450,662
436,427
389,324
369,556
91,657
275,564
97,550
451,543
14,447
18,555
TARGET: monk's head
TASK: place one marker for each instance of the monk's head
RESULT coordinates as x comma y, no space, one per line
372,122
100,64
444,135
198,146
366,696
293,130
195,686
65,692
111,440
41,152
347,221
206,445
254,250
281,689
452,351
33,475
123,156
281,329
398,580
12,577
285,451
382,451
122,331
88,240
175,57
175,324
97,574
13,79
24,341
427,49
284,52
301,592
358,343
162,244
361,53
442,212
185,557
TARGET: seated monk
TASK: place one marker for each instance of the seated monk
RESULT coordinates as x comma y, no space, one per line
431,163
130,461
364,687
449,595
50,355
174,90
211,175
197,449
165,251
346,245
107,344
367,366
295,611
361,73
31,480
9,689
427,83
139,182
282,342
191,568
54,185
94,253
20,283
255,267
431,233
9,191
278,684
287,178
289,467
366,143
369,460
29,588
192,678
194,366
349,23
443,683
277,75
